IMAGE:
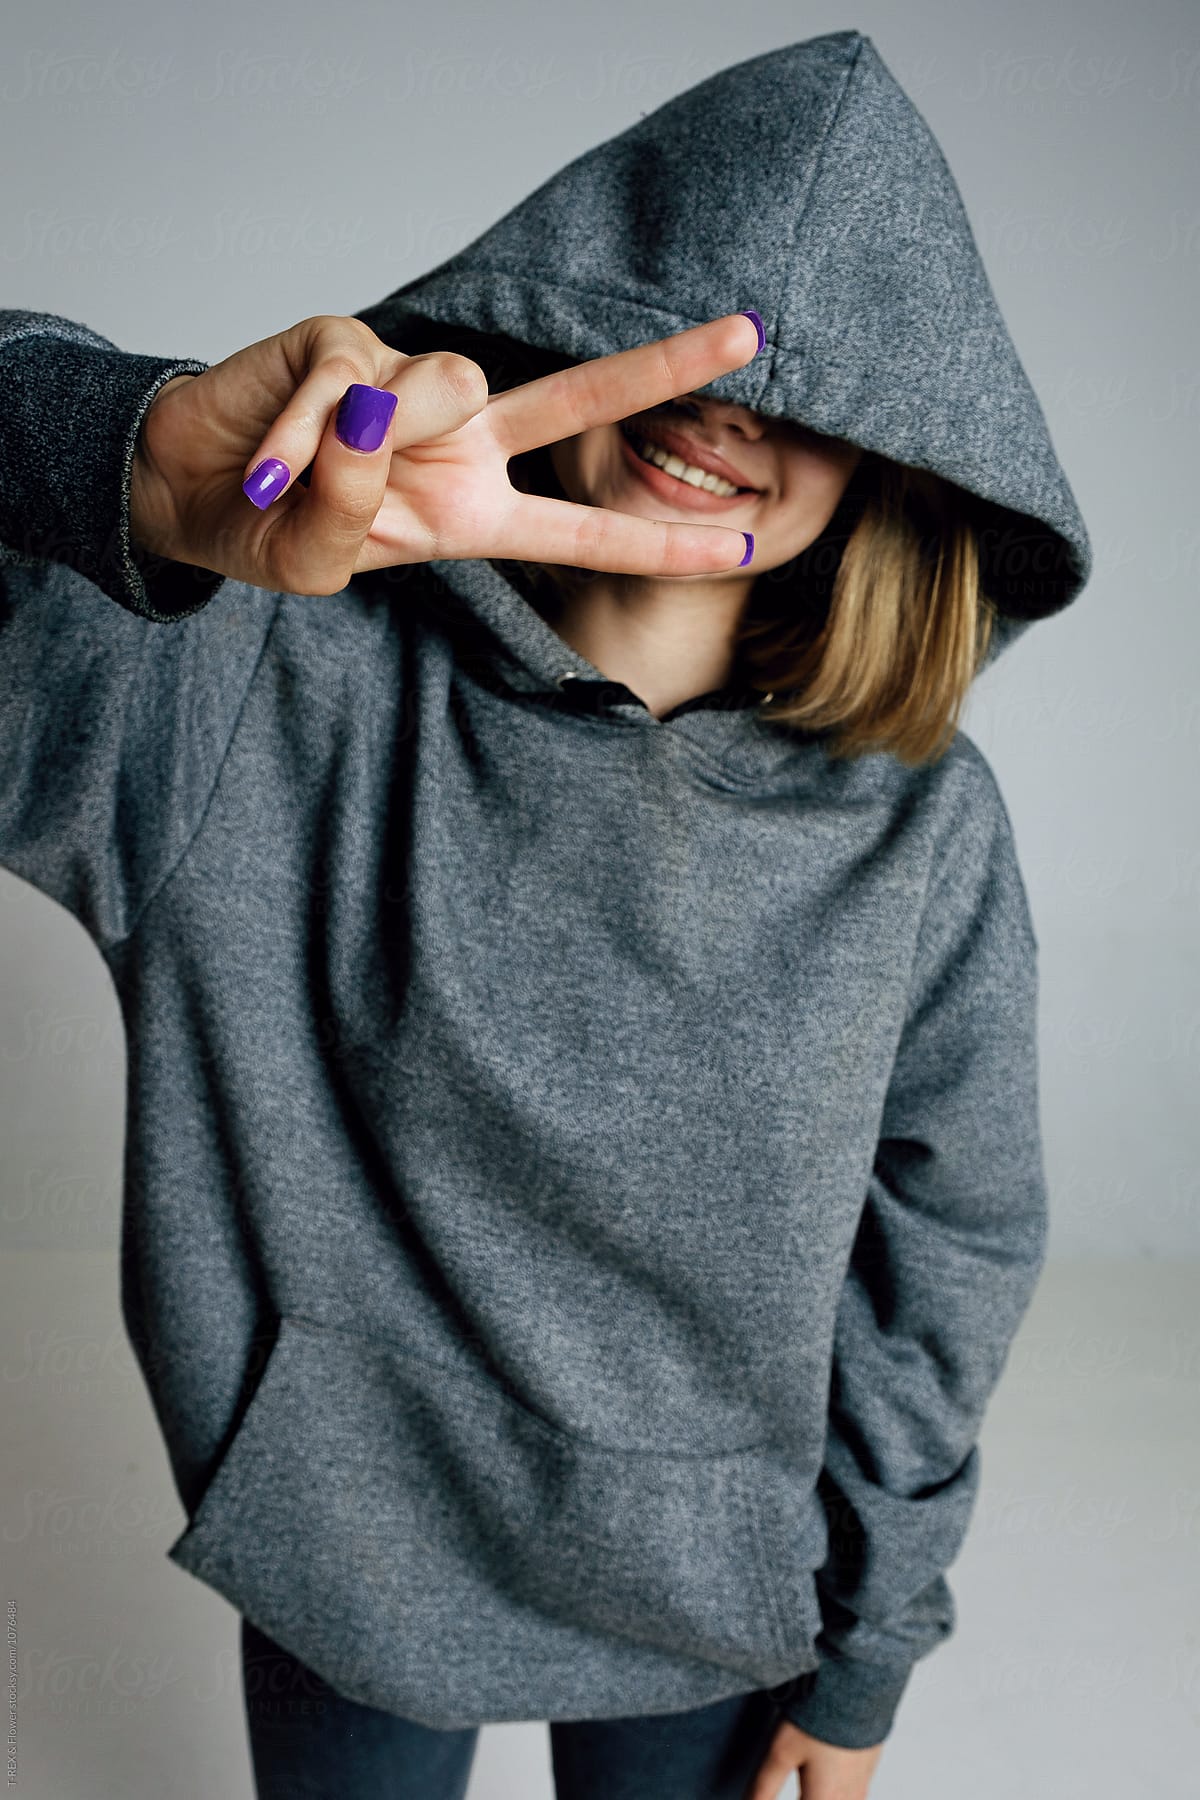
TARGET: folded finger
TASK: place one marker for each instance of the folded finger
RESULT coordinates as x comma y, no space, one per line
422,397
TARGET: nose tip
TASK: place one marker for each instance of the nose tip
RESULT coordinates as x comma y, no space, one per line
711,413
743,423
730,412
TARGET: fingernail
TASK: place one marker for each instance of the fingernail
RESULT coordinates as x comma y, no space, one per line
749,537
759,327
364,416
266,482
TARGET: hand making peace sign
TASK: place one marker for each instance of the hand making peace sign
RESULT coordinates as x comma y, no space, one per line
436,485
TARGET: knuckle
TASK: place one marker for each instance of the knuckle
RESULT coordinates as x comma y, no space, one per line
343,364
460,376
346,514
589,538
578,399
360,337
343,326
665,370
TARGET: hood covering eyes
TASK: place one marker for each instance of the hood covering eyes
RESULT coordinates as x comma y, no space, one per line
805,183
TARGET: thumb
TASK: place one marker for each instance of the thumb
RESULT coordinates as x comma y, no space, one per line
773,1773
314,542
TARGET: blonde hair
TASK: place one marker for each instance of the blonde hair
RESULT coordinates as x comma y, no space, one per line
872,636
906,631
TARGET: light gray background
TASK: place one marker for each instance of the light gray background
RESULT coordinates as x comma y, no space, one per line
189,184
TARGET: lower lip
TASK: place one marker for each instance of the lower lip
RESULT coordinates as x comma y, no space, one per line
680,493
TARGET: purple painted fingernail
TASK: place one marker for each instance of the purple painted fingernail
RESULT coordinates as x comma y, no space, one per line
749,537
759,327
364,416
266,481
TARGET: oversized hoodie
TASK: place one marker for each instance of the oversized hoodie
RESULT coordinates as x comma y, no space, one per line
582,1169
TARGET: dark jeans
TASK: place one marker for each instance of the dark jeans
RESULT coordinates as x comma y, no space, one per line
309,1743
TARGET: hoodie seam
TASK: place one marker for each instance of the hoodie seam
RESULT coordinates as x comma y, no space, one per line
672,314
160,886
541,283
488,1380
769,1587
699,761
800,211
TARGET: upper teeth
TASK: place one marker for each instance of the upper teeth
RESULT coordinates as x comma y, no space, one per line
675,465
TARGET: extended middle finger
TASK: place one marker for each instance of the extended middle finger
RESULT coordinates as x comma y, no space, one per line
608,388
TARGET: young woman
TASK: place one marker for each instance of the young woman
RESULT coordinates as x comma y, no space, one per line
583,1170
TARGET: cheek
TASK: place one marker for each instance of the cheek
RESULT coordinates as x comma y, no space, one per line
577,461
816,484
813,486
587,461
563,463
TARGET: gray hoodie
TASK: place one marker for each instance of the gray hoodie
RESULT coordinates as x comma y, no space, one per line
582,1169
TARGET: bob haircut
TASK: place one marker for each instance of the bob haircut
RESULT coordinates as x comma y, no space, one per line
871,636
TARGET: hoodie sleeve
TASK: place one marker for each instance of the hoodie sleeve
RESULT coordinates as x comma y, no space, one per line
948,1252
112,729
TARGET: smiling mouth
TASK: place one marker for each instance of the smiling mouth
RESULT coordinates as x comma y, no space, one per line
678,466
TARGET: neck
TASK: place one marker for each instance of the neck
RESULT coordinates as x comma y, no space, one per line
668,639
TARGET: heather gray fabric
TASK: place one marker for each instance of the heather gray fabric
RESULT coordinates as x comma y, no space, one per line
583,1171
805,183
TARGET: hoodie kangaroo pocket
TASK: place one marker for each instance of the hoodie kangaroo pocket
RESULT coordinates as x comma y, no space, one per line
430,1545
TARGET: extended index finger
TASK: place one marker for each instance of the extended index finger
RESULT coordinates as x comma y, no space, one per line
612,387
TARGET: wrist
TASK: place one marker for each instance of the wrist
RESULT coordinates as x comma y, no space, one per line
152,518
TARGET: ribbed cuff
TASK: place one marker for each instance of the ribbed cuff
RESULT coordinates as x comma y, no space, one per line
154,586
847,1701
78,408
